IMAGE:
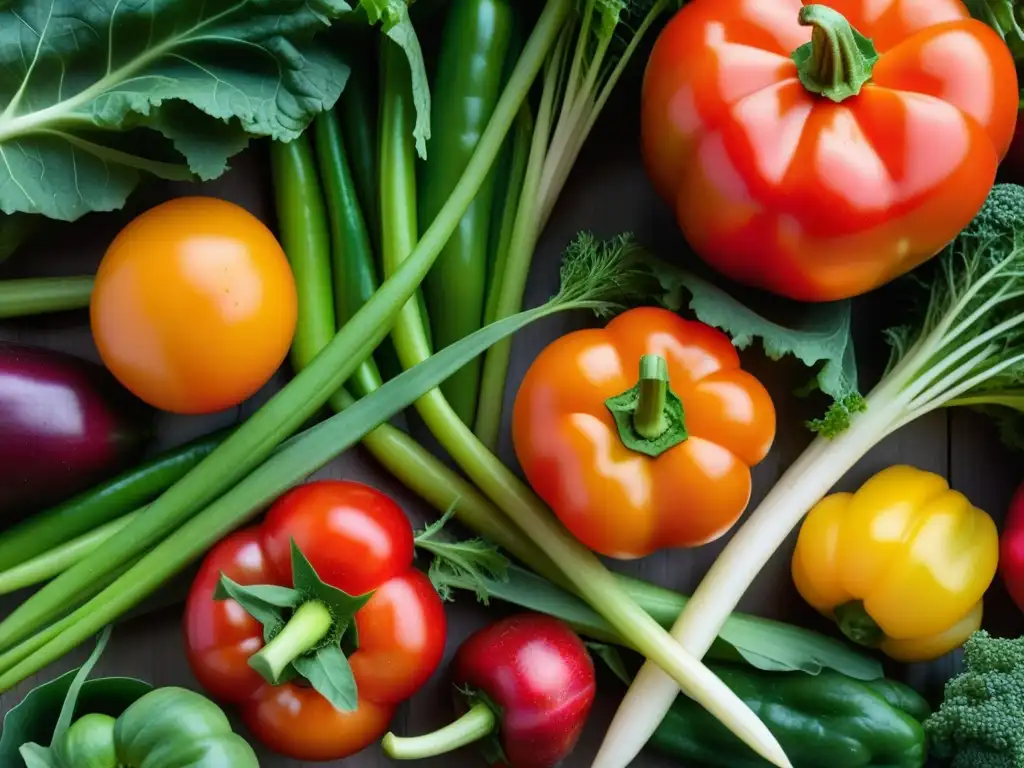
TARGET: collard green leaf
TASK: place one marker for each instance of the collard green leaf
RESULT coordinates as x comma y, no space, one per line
329,673
819,337
394,18
15,230
35,756
205,74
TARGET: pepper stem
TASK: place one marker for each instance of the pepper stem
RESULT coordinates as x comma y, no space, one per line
472,726
649,418
839,60
857,624
308,626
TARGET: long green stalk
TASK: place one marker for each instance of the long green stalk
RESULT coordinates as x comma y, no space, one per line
578,81
254,440
580,566
21,298
57,560
287,467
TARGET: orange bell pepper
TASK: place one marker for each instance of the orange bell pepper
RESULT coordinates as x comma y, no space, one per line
819,151
901,565
632,469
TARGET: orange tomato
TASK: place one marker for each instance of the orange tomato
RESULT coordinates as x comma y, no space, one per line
194,307
820,197
612,495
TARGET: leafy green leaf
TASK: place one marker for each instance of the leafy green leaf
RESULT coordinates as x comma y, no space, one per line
1002,16
396,25
762,643
329,673
476,560
264,602
819,336
74,76
342,606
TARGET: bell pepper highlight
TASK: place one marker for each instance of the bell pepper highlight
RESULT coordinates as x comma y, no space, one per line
629,466
839,60
357,622
529,677
900,565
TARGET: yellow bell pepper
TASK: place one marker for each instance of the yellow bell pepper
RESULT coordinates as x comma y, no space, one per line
901,565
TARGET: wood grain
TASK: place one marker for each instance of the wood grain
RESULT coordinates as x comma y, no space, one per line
607,194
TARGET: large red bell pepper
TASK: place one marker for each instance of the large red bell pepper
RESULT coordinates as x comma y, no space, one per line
819,151
328,579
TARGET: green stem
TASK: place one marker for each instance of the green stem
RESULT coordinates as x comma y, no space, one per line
472,726
304,630
649,418
523,239
855,622
254,441
839,60
21,298
60,558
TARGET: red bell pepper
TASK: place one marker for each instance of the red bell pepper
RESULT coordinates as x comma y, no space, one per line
528,675
821,150
323,590
1011,549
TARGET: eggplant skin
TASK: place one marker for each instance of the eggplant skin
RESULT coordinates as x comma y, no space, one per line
65,425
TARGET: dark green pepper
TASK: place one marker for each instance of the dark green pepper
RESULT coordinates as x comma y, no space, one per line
821,720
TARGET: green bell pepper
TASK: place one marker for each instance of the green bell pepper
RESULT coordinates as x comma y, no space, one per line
822,720
167,728
153,728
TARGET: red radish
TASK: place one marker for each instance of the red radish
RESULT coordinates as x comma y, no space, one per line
530,678
65,424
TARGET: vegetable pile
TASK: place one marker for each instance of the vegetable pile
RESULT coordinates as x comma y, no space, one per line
815,152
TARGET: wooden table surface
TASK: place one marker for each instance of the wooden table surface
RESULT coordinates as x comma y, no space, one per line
607,194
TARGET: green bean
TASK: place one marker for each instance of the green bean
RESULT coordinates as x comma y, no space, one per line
20,298
357,111
471,66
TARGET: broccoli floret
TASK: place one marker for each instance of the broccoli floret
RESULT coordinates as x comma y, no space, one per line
1002,215
981,721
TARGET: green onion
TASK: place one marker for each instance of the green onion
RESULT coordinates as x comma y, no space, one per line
20,298
254,440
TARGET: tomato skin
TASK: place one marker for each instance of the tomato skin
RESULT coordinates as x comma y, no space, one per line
618,502
781,189
194,306
358,540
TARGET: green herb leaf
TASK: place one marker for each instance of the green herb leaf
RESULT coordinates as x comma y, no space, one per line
343,606
264,602
818,336
475,560
329,673
762,643
1001,15
74,77
394,16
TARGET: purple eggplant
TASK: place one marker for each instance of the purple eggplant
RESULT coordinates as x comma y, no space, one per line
65,425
